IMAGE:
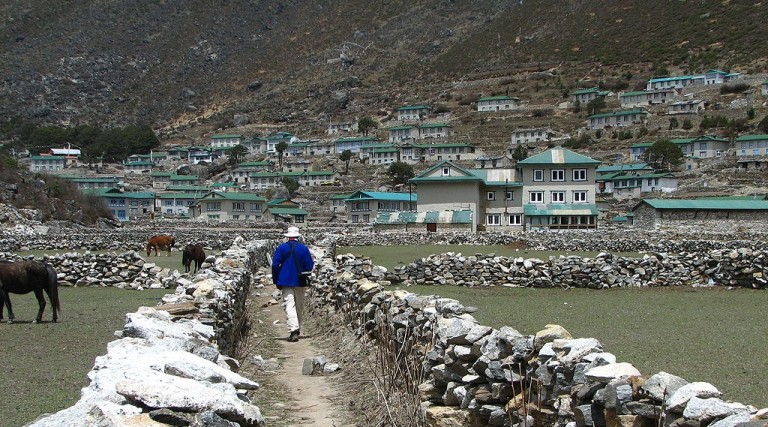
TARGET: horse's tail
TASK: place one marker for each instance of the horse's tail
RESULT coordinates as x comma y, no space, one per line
53,286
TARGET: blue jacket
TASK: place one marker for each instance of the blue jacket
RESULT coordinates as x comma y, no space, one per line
284,271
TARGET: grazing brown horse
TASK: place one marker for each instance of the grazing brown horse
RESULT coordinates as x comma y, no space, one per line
193,253
162,242
29,276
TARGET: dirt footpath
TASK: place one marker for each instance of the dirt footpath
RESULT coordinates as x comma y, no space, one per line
287,397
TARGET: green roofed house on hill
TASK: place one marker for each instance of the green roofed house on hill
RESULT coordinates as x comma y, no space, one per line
218,206
364,206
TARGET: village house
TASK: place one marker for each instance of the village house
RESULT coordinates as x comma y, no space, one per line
160,180
226,141
530,135
764,88
633,181
127,205
559,190
199,190
434,130
497,103
363,206
96,182
711,77
748,213
217,206
285,210
637,150
47,164
354,143
338,202
265,180
266,145
616,119
154,158
646,98
381,155
752,145
245,169
448,151
584,96
492,162
703,146
183,180
490,198
341,127
138,167
175,204
403,133
689,106
196,155
413,112
224,186
293,164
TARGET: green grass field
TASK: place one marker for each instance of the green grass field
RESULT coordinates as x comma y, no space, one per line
713,335
45,365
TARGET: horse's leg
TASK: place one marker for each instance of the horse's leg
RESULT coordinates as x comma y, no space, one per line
41,303
8,306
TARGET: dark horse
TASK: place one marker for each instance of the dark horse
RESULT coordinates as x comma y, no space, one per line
162,242
193,253
29,276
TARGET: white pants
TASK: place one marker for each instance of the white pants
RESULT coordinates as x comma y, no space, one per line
294,307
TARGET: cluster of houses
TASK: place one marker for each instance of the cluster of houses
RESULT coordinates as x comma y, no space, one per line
552,190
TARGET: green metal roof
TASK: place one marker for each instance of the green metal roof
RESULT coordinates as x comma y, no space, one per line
158,174
261,163
356,139
560,209
382,195
177,196
556,156
184,178
236,196
404,127
635,93
414,107
340,196
434,125
584,91
629,167
495,98
707,204
752,138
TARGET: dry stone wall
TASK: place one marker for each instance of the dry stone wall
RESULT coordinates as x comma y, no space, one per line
169,365
476,375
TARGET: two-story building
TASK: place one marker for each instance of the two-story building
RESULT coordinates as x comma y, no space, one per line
530,136
704,146
175,204
226,141
584,96
354,143
245,169
342,127
413,112
127,205
218,206
559,190
645,98
617,119
688,106
497,103
47,164
491,197
633,180
363,206
138,167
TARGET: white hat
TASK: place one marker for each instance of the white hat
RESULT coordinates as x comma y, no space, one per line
292,232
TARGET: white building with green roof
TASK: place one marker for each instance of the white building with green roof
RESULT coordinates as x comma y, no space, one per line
237,206
413,112
363,206
226,140
735,213
617,119
559,190
644,98
497,103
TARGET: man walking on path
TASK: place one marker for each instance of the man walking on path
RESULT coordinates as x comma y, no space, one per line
291,259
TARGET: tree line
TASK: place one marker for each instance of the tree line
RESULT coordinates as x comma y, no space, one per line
94,143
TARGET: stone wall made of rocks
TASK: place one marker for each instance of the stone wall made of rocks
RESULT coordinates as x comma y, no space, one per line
475,375
168,366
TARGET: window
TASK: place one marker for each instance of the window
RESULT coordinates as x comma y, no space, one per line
509,195
493,219
538,175
558,197
213,206
238,206
515,219
579,174
446,171
558,175
491,195
579,197
536,196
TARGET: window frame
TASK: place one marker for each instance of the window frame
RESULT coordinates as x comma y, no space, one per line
580,174
538,175
560,175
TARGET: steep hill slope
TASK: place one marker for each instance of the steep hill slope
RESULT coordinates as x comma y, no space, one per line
178,63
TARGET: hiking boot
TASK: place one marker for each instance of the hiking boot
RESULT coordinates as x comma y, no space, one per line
294,336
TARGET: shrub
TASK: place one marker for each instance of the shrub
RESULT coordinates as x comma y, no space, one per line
733,88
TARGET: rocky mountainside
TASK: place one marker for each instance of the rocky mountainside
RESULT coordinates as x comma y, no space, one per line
189,66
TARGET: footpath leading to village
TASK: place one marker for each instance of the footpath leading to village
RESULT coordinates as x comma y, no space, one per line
291,398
